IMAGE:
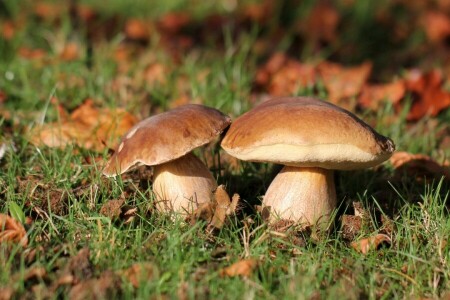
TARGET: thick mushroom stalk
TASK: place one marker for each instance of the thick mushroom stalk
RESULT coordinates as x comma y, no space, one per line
182,184
304,195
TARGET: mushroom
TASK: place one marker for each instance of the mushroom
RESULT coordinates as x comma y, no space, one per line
181,180
311,138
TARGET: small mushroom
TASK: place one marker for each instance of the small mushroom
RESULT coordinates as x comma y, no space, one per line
181,181
311,138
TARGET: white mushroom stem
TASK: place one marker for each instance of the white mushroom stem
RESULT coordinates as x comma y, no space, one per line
305,195
181,185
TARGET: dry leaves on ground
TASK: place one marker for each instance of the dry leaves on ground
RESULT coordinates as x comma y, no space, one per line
12,231
243,268
139,273
419,166
430,97
216,211
343,82
372,95
284,76
88,127
117,210
370,243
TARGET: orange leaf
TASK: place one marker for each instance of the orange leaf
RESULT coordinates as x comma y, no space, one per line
431,97
372,95
137,30
343,82
31,53
370,243
173,22
12,231
321,22
8,30
243,268
436,25
418,164
283,76
88,127
70,52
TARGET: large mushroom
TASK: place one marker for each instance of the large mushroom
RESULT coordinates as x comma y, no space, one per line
311,138
181,180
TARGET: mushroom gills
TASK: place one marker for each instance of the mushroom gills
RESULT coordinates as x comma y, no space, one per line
304,195
182,184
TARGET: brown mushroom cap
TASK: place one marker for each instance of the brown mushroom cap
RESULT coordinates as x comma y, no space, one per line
306,132
167,136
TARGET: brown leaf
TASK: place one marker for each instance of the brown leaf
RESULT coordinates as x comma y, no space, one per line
8,30
112,209
243,268
70,52
79,266
48,11
31,273
12,231
283,76
173,22
139,273
370,243
418,165
436,25
222,203
431,98
106,286
88,127
343,82
216,211
137,30
29,53
321,22
6,293
350,226
373,95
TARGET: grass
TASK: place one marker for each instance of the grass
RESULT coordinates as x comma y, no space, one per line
185,260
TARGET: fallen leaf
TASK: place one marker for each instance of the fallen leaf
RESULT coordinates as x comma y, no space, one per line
79,267
283,76
370,243
373,95
112,209
6,293
350,226
242,268
84,12
321,23
8,30
139,273
436,25
216,211
48,11
12,231
31,273
257,12
87,126
343,82
430,97
29,53
173,22
418,165
107,286
70,52
137,30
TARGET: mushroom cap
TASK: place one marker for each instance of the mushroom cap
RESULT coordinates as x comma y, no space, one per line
306,132
166,136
